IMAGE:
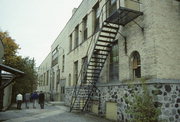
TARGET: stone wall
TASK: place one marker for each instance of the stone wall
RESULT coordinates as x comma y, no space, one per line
166,94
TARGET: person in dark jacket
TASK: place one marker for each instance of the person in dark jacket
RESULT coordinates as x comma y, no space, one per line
41,100
34,98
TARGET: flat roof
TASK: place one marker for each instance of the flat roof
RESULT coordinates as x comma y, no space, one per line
11,70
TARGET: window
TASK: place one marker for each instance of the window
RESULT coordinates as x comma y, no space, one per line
75,72
62,89
53,78
85,29
55,56
63,61
84,60
44,79
97,16
132,4
70,42
84,64
112,6
114,63
76,41
57,79
69,80
47,78
58,76
135,65
40,80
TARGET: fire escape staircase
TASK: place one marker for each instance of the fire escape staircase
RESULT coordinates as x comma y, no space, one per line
81,97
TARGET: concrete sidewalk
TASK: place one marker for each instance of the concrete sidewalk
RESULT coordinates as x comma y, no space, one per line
53,112
55,103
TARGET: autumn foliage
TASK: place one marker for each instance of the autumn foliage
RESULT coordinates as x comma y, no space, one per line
11,58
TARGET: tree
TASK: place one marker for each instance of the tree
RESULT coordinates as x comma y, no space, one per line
10,50
27,83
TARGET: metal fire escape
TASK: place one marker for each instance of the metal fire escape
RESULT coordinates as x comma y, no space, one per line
101,45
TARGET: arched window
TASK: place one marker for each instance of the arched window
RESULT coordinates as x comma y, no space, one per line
135,65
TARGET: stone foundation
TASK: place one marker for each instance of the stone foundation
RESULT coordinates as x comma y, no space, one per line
166,94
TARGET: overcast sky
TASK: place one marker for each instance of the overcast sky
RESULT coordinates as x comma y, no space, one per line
35,24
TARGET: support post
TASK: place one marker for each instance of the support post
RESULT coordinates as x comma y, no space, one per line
142,29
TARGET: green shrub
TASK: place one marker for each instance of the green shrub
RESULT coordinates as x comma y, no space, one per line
141,107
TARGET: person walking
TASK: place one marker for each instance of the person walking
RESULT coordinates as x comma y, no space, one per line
41,100
34,98
19,99
27,99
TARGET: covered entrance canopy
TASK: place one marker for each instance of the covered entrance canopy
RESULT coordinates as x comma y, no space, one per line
7,75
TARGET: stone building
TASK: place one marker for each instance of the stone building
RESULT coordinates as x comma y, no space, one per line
107,45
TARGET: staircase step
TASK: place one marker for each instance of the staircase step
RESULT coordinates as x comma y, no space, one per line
92,79
110,37
93,69
97,61
111,27
93,76
101,54
110,42
92,72
108,22
103,45
95,66
99,58
111,32
102,50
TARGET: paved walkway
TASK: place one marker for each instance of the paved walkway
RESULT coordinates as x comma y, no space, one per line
51,113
